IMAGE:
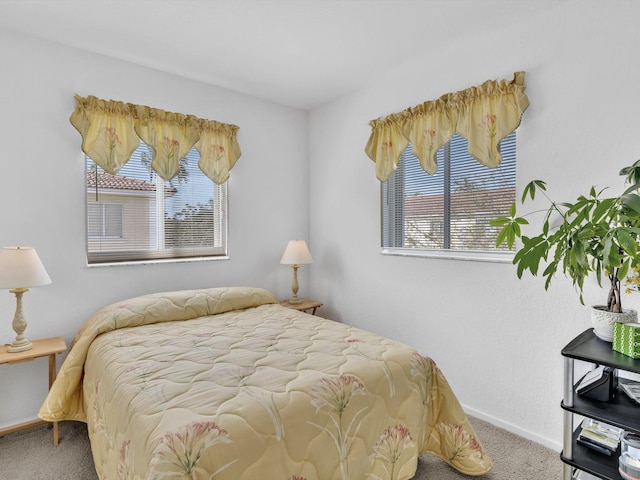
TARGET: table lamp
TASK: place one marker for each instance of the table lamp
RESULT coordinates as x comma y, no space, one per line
296,254
21,268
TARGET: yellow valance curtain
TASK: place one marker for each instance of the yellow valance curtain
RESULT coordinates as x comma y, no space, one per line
484,115
112,130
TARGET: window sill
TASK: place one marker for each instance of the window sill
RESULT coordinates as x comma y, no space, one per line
158,261
467,255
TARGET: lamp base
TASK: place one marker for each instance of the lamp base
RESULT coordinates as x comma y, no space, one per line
294,300
22,346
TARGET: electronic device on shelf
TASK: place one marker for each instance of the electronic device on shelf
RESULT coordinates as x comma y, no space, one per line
601,384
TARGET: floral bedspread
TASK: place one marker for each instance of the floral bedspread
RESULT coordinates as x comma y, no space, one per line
225,383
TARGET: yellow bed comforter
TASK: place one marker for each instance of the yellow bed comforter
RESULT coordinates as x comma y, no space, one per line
226,384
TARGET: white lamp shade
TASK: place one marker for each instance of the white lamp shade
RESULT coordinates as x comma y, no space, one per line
296,253
20,267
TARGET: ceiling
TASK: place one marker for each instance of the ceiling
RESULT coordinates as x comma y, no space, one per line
300,53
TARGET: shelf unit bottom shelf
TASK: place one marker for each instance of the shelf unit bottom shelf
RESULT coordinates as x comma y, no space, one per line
590,461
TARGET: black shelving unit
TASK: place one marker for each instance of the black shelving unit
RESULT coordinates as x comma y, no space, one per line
620,412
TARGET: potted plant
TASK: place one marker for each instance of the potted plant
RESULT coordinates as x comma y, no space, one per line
594,235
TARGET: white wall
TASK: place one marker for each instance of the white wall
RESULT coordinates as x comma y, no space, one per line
496,338
43,194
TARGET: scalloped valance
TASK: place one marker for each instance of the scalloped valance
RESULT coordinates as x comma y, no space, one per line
484,115
112,130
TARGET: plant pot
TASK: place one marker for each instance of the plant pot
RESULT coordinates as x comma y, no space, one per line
603,321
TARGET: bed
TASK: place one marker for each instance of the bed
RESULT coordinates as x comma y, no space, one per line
226,384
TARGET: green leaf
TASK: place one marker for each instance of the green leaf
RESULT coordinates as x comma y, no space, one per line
498,222
623,270
632,188
551,269
502,234
530,189
541,185
533,251
632,173
631,201
539,253
608,252
601,209
516,229
626,241
548,282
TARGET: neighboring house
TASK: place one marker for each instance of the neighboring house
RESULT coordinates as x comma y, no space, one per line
123,212
470,213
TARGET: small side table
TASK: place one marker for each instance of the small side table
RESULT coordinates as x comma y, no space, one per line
47,347
304,305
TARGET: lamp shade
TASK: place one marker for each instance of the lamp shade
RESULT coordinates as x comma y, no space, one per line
20,267
296,253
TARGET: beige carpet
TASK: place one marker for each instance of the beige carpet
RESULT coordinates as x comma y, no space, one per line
30,455
514,458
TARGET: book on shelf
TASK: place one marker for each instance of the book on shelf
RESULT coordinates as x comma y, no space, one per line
600,436
631,390
595,446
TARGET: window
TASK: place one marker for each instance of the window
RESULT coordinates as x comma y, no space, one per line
105,220
450,211
137,216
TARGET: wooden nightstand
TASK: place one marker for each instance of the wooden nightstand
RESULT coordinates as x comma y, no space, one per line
47,347
304,305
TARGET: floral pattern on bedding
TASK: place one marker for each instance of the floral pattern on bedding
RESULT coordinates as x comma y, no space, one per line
171,388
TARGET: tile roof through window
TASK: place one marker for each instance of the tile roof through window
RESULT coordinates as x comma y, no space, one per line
119,182
495,201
